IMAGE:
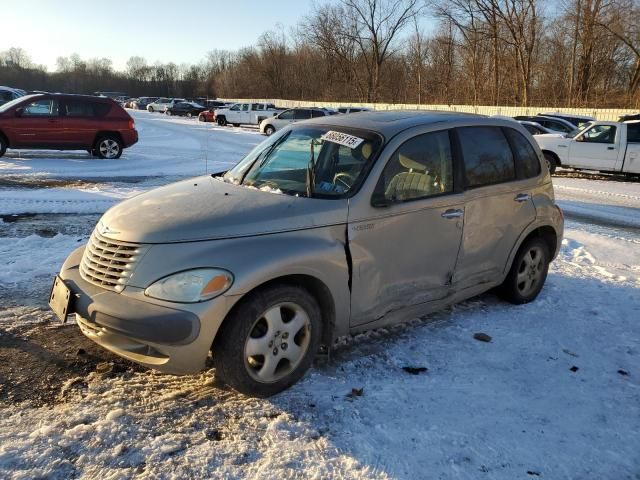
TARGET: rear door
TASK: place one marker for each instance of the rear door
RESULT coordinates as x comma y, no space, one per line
498,204
82,121
632,157
39,124
596,148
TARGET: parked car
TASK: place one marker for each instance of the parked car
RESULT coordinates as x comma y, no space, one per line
142,102
579,121
556,124
161,104
66,122
7,94
534,128
245,113
331,226
209,115
186,109
629,117
129,102
270,125
604,146
353,109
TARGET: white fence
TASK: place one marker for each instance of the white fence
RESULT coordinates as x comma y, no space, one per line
598,113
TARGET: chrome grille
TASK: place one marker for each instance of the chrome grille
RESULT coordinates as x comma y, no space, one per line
109,263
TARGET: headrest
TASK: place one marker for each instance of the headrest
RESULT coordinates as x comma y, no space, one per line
412,165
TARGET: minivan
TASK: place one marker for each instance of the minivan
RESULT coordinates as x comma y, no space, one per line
331,226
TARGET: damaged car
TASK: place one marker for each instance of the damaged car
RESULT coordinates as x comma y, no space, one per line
329,227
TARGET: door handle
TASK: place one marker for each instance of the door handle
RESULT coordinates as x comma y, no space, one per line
522,197
611,148
452,213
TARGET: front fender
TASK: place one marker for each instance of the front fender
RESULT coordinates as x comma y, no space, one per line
318,253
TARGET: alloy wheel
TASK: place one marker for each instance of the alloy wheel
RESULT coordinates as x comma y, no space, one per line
277,342
530,270
109,148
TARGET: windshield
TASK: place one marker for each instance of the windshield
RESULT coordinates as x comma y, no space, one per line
313,161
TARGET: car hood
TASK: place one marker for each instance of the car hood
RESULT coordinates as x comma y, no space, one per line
205,208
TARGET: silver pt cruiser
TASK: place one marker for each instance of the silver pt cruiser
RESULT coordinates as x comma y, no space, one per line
329,227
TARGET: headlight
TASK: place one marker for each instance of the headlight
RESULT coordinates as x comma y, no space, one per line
191,286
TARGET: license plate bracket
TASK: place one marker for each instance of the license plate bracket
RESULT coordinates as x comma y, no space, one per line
61,299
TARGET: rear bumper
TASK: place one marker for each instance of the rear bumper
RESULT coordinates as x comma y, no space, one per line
173,338
129,137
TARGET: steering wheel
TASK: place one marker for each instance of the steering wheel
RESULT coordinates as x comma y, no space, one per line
344,178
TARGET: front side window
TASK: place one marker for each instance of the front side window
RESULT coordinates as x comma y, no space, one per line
600,134
245,107
421,167
41,108
557,126
286,115
526,158
235,108
319,162
487,156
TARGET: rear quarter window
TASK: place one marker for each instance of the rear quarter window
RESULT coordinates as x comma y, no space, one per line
487,156
526,159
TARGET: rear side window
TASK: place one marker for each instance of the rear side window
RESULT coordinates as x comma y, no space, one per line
317,113
487,156
633,132
302,114
79,108
527,162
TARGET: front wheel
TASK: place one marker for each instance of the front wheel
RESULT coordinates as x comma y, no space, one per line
150,109
201,118
551,163
269,130
236,124
189,114
108,147
528,272
269,341
222,121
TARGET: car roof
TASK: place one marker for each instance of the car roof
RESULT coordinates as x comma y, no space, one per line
392,122
568,115
73,96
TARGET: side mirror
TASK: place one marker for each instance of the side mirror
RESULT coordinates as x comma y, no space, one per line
19,111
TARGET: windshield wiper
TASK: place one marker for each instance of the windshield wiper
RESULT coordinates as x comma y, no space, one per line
311,171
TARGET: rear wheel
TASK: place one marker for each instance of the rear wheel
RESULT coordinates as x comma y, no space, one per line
167,112
189,114
222,121
528,272
109,147
236,124
3,145
551,162
269,341
269,130
201,118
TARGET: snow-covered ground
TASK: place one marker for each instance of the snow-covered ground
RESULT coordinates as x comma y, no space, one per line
555,394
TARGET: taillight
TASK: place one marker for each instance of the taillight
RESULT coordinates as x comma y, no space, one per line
132,124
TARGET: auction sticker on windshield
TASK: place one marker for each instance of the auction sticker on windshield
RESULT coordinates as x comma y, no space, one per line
342,139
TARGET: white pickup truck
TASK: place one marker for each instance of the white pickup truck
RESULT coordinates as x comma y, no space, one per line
603,146
245,113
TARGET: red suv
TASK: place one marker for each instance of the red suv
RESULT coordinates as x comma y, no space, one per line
66,122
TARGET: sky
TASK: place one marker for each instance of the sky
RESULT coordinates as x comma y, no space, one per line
182,31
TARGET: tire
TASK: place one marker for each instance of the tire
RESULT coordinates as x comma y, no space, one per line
236,124
222,121
3,145
189,114
150,109
276,364
528,272
167,113
108,147
551,162
269,130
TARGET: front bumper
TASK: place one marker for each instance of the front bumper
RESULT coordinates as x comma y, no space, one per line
173,338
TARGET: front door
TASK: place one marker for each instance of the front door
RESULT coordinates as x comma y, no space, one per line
38,125
498,203
596,148
404,252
